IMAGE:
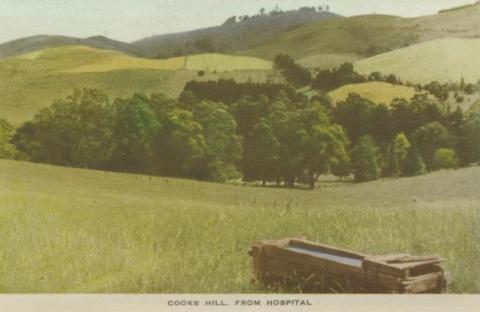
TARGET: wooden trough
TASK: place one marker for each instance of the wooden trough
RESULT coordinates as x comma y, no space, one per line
298,264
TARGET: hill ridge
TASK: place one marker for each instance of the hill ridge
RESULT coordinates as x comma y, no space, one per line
40,42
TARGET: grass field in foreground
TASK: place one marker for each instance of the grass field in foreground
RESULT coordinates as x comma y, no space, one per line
73,230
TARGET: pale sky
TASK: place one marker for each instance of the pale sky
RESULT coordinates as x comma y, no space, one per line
130,20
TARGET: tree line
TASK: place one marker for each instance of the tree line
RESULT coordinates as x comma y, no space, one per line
326,80
275,136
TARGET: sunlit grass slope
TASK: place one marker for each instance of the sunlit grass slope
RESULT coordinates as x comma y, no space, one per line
79,59
73,230
33,81
376,92
443,60
221,62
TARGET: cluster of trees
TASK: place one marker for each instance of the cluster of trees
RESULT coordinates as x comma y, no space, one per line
294,74
275,11
230,91
149,135
289,139
331,79
223,130
283,137
325,80
264,139
407,138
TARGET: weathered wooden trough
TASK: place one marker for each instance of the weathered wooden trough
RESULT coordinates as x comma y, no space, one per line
298,264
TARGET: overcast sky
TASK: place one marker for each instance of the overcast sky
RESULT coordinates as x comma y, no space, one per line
129,20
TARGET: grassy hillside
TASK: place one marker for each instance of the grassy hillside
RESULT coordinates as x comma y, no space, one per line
460,22
317,39
42,42
32,81
443,60
229,37
221,63
225,38
347,39
88,60
376,92
72,230
329,43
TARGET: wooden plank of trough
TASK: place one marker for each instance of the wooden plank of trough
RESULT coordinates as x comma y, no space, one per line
388,258
428,282
410,265
322,247
309,260
388,282
275,268
416,279
283,270
414,259
296,273
287,270
372,265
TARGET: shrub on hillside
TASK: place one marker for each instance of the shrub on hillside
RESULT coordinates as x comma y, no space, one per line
444,159
7,150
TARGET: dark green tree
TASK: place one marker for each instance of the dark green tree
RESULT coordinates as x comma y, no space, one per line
261,157
285,126
355,114
396,156
323,147
438,90
328,80
428,139
223,147
75,132
295,74
365,160
248,111
469,140
179,146
414,164
135,126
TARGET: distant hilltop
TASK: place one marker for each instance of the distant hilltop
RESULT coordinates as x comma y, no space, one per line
459,7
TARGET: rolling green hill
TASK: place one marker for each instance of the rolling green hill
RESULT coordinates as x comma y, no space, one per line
443,60
229,37
316,39
376,92
225,38
342,40
32,81
73,230
329,43
43,42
